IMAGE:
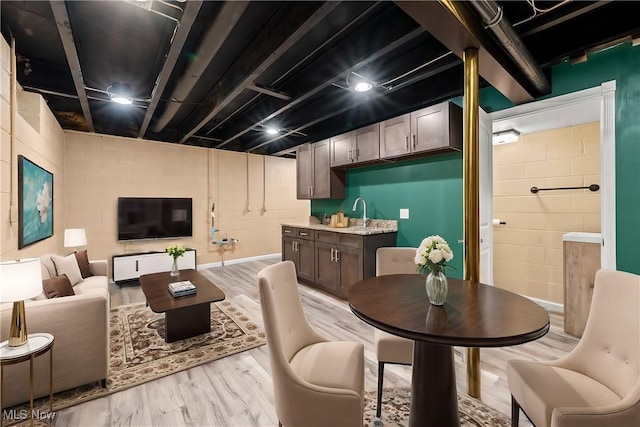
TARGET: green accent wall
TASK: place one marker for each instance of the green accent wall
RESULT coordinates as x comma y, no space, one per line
432,187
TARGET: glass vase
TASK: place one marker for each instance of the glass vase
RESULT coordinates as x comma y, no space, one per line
174,268
437,287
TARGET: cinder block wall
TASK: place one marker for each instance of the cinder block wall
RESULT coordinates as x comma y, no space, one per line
528,255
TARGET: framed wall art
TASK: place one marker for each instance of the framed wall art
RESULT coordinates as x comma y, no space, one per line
35,203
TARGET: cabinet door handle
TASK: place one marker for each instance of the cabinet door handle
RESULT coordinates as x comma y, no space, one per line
302,233
349,155
414,141
136,265
311,191
406,142
293,246
287,231
337,258
332,259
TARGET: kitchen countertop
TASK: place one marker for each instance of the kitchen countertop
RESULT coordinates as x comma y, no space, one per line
374,226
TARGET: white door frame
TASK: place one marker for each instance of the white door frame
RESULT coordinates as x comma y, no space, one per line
589,105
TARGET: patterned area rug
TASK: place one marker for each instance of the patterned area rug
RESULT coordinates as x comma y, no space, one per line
139,353
396,403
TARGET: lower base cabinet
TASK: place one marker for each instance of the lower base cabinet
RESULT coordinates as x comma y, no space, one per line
338,260
300,251
338,267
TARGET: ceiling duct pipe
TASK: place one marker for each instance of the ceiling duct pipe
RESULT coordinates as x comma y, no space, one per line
495,20
225,21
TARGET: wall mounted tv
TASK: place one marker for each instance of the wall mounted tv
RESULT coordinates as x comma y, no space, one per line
154,218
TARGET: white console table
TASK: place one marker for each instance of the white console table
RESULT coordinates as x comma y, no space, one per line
131,266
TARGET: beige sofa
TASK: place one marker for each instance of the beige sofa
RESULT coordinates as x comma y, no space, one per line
80,326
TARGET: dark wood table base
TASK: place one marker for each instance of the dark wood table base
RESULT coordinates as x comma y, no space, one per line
434,397
186,316
187,322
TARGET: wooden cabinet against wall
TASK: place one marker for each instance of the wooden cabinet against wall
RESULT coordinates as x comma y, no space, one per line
395,134
297,246
435,129
304,171
316,179
358,146
581,262
339,259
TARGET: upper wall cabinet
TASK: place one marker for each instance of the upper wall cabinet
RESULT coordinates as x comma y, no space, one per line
316,179
355,147
433,129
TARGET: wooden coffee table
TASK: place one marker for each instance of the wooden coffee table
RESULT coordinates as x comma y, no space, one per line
187,316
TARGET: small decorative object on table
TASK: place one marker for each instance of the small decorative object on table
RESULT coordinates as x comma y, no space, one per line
175,251
432,256
183,288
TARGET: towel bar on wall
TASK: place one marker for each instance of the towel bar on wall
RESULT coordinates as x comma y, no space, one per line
592,187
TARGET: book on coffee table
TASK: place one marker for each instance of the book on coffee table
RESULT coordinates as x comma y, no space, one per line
185,287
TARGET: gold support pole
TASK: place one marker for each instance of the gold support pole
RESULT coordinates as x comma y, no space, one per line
471,178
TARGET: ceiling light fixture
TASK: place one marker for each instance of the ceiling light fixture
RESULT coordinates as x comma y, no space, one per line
272,131
360,83
120,93
505,136
362,86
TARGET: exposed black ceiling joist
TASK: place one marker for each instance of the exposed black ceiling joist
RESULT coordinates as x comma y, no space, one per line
66,35
180,37
270,46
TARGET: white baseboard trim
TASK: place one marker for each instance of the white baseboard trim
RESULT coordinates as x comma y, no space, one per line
237,261
548,305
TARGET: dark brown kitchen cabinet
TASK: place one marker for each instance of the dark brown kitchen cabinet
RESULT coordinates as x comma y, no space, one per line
356,147
338,266
395,134
339,259
297,246
434,129
315,178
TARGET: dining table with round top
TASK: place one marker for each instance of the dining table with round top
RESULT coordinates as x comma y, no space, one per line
473,315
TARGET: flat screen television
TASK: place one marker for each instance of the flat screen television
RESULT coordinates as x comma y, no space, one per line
154,218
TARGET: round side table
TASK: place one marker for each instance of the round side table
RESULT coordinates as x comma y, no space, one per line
37,345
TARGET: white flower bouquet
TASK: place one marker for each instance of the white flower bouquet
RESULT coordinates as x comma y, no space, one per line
433,255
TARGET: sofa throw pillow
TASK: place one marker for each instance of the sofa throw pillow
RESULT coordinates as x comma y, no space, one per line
83,264
68,265
58,286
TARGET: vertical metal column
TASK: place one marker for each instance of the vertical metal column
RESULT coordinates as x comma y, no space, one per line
471,178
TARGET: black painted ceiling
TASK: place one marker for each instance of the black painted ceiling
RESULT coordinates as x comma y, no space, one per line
216,74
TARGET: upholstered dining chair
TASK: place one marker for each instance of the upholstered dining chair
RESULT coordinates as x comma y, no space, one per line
392,348
598,382
316,382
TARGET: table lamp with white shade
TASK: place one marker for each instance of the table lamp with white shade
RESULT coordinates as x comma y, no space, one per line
19,280
74,237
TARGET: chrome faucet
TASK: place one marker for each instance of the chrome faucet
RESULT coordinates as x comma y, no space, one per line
364,213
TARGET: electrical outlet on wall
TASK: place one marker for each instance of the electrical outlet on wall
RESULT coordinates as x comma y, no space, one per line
404,213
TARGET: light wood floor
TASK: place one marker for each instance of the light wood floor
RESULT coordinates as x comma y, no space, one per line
237,390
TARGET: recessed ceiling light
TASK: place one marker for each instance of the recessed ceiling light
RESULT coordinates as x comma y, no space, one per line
272,131
362,86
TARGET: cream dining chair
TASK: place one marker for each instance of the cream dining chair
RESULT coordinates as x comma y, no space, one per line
316,382
392,348
598,382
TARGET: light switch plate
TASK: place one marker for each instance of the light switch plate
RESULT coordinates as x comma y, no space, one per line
404,213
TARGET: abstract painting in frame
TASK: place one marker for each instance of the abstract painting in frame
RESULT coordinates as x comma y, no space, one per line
35,203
